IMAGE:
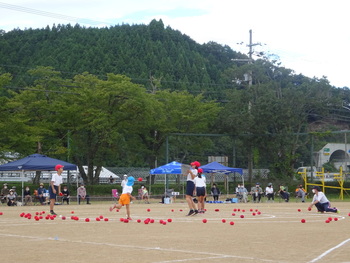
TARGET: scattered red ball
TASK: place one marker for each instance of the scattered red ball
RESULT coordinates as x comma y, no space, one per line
335,218
87,220
164,222
151,221
180,210
106,219
241,216
148,210
330,219
233,214
126,220
299,210
72,212
235,210
117,210
243,210
232,223
101,217
223,220
138,220
204,220
302,220
63,218
170,220
259,213
253,214
309,208
98,219
251,210
327,221
217,210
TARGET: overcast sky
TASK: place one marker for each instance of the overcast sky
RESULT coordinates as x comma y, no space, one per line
311,37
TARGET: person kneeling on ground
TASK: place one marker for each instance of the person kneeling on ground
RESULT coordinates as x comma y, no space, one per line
321,202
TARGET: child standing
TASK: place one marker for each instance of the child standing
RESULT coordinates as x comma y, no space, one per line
125,197
55,186
200,184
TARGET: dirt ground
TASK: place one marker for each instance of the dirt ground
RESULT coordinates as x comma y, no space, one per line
274,234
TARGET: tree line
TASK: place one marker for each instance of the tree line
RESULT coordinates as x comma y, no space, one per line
114,96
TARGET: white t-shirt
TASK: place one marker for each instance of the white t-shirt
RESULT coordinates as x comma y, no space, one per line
124,183
57,179
269,190
199,182
127,189
320,197
189,176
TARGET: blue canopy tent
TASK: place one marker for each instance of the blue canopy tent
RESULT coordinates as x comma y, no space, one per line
216,167
35,162
169,168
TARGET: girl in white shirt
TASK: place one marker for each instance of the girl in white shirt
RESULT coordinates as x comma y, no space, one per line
201,192
190,187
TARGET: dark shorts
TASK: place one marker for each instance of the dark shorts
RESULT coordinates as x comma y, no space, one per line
200,191
51,194
189,188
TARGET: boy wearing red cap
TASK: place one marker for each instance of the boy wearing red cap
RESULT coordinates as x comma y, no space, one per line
55,186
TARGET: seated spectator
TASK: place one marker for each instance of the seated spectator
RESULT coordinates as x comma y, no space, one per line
11,198
243,193
82,195
215,191
65,195
300,192
283,192
15,193
269,192
111,179
256,192
41,194
27,196
167,194
4,192
144,194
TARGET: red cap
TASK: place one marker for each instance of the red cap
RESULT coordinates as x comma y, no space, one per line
200,170
58,166
195,163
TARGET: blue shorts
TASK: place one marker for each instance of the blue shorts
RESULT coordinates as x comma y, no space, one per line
189,188
51,194
200,191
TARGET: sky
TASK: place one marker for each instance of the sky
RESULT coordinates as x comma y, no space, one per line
310,37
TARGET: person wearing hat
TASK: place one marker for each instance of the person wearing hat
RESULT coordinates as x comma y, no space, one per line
283,192
300,192
201,192
41,194
321,202
269,192
256,192
124,181
55,186
125,197
4,193
190,187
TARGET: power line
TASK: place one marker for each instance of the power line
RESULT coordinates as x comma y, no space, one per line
50,14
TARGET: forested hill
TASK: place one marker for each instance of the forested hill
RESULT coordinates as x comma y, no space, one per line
138,51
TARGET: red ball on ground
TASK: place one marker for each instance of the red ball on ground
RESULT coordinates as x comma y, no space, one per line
87,220
330,219
161,221
170,220
299,210
309,208
259,213
148,210
63,218
180,210
251,210
223,220
138,220
204,220
335,218
302,220
101,217
164,222
72,212
76,218
106,219
37,213
233,214
253,214
126,220
235,210
327,221
232,223
241,216
146,222
121,219
117,210
217,210
243,210
151,221
98,219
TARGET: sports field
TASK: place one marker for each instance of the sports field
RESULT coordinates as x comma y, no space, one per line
273,234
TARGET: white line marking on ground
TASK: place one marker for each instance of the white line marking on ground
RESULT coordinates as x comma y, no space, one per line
210,255
329,251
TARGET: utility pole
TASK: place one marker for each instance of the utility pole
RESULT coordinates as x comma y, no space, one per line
250,83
